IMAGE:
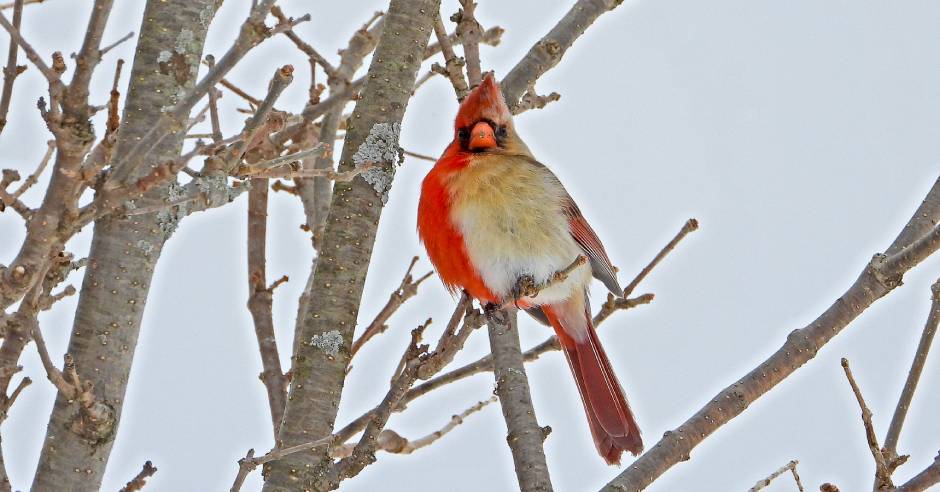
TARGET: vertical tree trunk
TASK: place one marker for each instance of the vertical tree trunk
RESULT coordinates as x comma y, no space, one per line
124,252
322,351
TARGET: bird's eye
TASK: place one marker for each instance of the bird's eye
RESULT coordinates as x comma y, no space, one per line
463,134
501,131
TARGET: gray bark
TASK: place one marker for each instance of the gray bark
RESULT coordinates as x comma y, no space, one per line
524,436
124,252
325,336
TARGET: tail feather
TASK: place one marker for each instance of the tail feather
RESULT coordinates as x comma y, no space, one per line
609,416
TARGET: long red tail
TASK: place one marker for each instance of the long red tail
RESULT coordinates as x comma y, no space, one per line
609,416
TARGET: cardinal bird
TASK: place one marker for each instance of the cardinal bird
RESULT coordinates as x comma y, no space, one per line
490,214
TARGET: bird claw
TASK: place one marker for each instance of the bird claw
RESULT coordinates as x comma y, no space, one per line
525,287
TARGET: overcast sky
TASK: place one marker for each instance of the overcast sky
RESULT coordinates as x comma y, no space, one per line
802,134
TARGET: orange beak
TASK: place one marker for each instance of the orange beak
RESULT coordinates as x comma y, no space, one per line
482,137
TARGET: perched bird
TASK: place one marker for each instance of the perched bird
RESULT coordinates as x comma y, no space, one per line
490,214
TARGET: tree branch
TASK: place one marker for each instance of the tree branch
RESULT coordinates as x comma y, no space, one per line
878,278
913,376
525,436
882,472
453,66
923,480
791,467
469,32
407,289
549,50
138,482
12,70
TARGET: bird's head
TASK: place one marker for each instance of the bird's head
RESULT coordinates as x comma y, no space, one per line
484,122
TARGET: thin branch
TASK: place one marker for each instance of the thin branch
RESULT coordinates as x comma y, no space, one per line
240,93
9,5
453,68
308,50
16,38
34,178
329,174
6,402
689,226
284,160
12,70
214,106
525,436
923,480
407,289
416,155
261,300
117,43
883,274
392,442
548,51
913,376
453,340
114,99
882,475
791,467
470,32
138,482
531,100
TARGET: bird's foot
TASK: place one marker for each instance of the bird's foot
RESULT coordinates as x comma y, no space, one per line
525,287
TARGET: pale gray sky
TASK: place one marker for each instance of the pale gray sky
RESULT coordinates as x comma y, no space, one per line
802,134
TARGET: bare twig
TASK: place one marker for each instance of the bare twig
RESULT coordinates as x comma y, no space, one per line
689,226
240,93
453,67
452,340
214,106
115,44
6,402
531,100
392,442
791,467
12,70
882,475
416,155
138,482
308,50
16,38
525,436
9,5
114,118
34,178
470,32
284,160
329,174
407,289
913,376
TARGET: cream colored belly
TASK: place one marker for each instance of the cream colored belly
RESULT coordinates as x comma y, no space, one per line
512,224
